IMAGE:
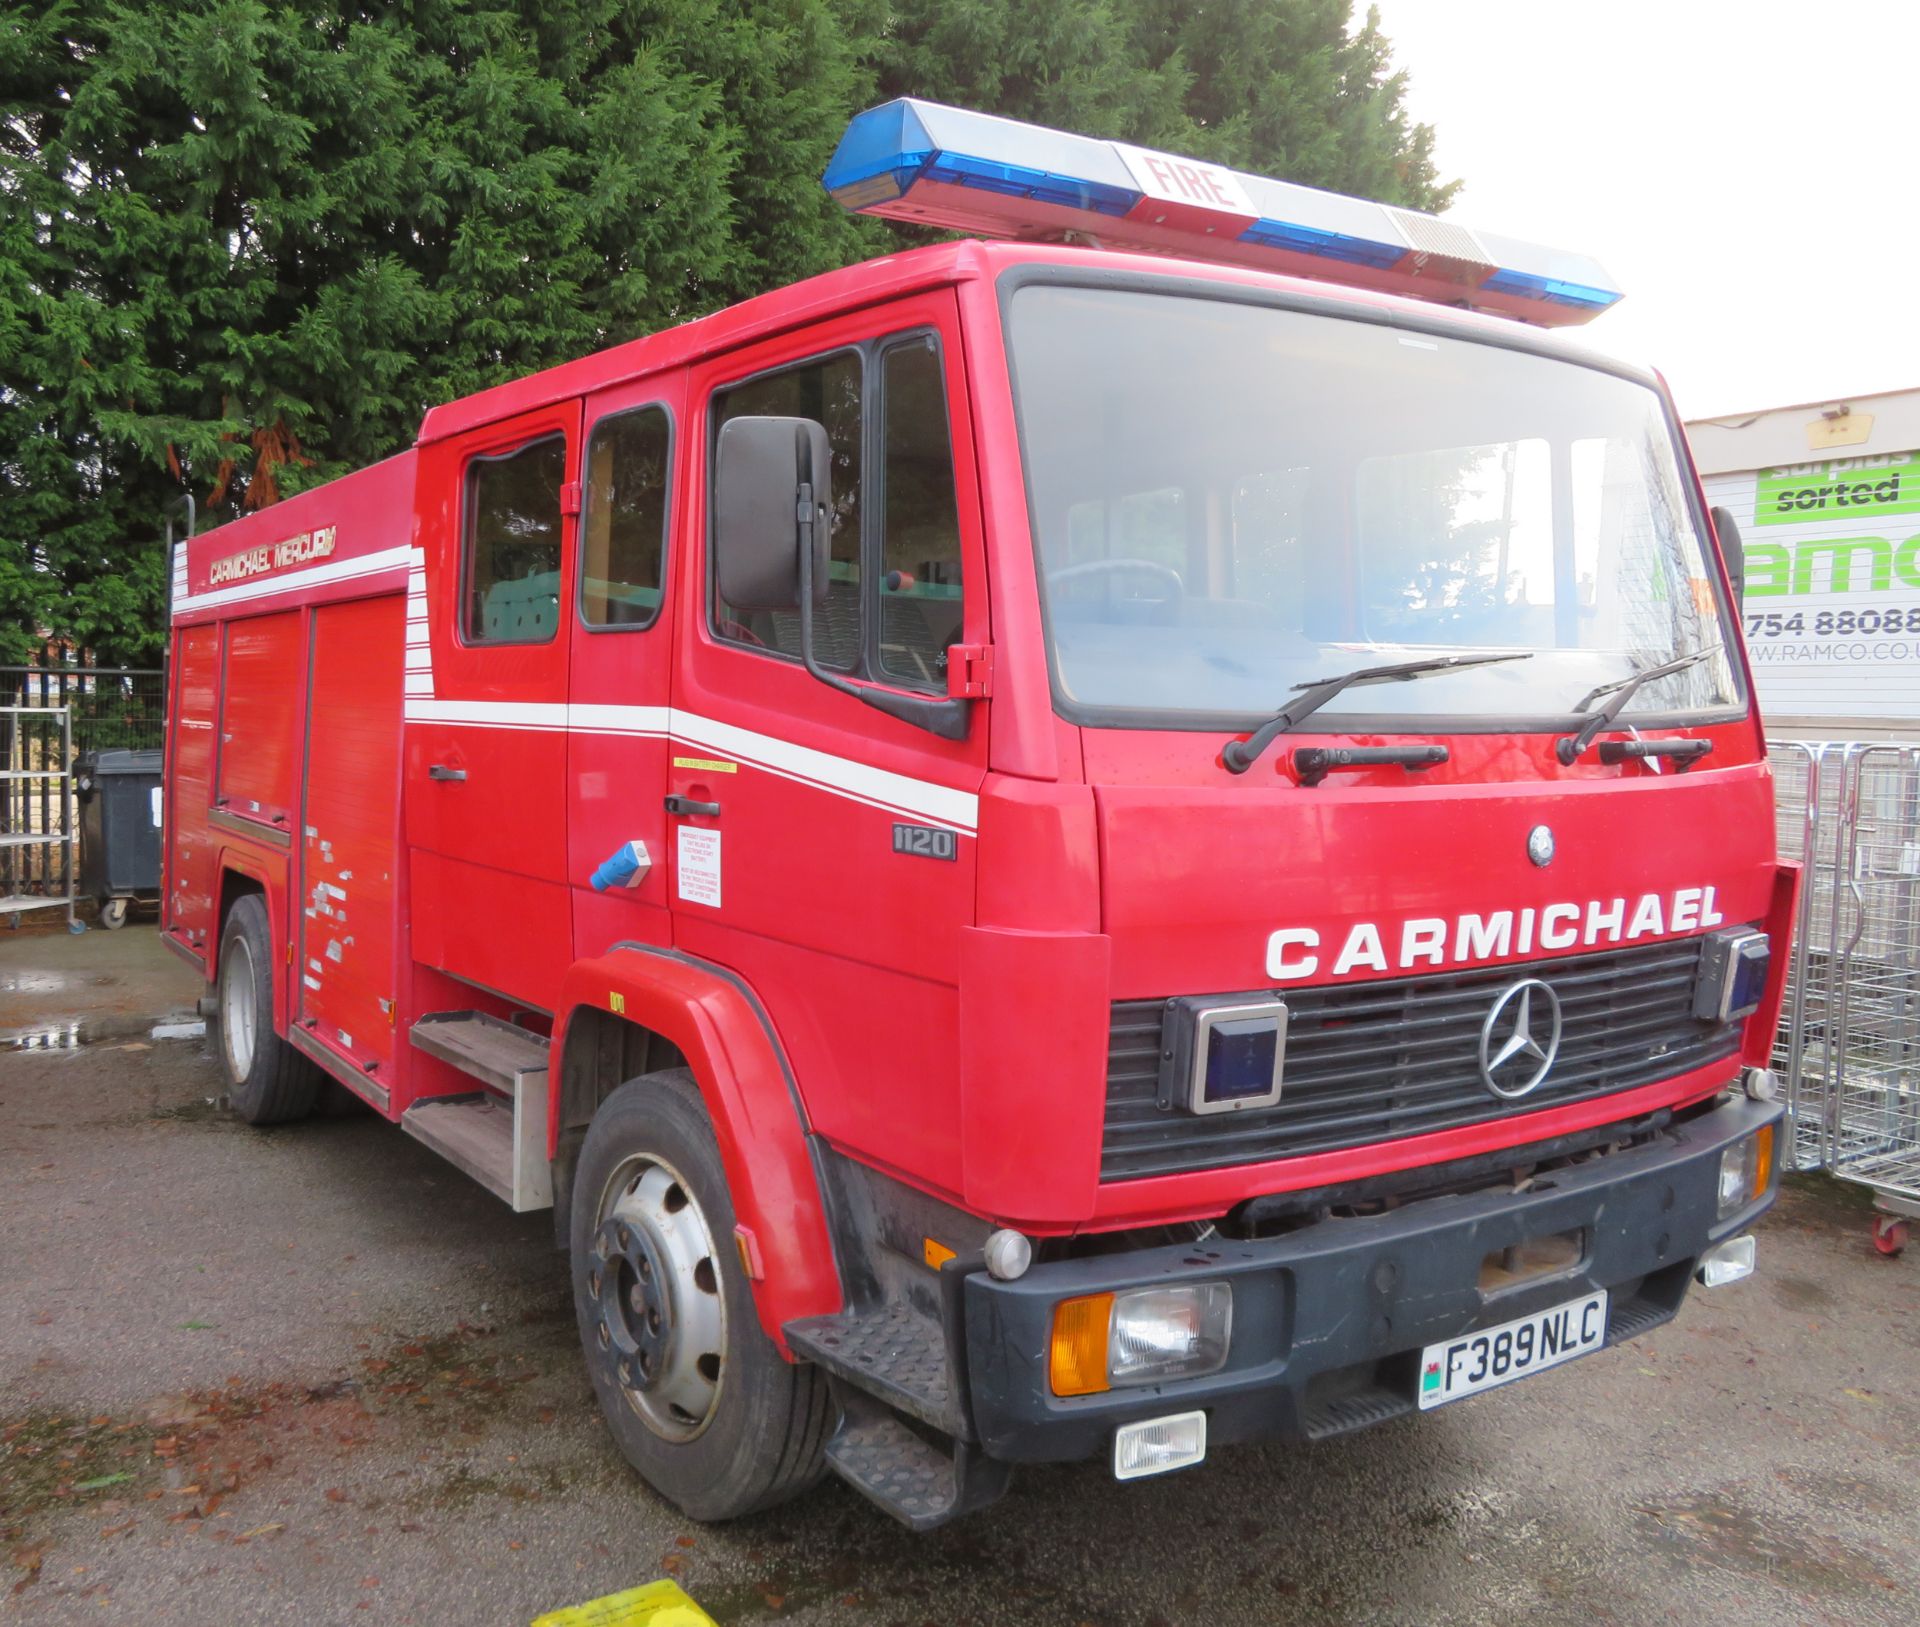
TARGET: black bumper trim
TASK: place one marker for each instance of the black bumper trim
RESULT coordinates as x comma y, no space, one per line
1329,1320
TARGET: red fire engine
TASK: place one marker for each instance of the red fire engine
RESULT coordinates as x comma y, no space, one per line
1086,846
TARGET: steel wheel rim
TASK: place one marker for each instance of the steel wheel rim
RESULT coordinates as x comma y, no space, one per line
237,1014
653,1278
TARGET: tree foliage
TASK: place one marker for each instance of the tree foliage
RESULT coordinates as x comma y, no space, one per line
243,244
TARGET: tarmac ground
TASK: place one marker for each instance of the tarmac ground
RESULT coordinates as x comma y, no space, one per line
312,1373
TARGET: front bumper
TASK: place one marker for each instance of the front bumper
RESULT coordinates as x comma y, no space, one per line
1329,1320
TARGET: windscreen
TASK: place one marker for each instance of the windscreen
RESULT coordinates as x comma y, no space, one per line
1232,501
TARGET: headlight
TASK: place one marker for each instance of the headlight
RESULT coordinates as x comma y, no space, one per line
1140,1336
1746,1171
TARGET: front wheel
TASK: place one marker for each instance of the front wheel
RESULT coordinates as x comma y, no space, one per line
269,1082
697,1398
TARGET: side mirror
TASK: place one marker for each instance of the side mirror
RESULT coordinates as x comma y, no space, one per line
772,510
764,469
1733,551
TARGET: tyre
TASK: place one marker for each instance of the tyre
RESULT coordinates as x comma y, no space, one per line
113,913
697,1398
268,1082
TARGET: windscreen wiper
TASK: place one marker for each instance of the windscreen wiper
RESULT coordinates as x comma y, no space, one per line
1241,755
1569,747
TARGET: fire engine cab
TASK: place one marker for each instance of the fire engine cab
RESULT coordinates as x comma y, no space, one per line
1094,845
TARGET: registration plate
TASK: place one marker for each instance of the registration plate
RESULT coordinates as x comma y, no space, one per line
1492,1356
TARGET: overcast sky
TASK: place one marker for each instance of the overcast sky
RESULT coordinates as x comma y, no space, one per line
1744,170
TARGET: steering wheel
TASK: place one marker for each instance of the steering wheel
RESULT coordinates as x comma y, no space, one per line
1144,567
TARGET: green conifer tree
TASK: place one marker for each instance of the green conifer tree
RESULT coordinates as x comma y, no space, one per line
244,243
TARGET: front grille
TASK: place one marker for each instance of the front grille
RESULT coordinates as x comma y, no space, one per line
1371,1062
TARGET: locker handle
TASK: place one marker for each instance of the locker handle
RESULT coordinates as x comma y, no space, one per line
440,771
686,806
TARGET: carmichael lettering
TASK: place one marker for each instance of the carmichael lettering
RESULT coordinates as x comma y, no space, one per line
1427,942
272,556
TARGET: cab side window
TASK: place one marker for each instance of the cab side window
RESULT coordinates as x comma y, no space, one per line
623,531
894,590
510,572
828,391
920,541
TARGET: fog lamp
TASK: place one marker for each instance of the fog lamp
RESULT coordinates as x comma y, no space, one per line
1726,1262
1732,977
1155,1445
1746,1171
1141,1336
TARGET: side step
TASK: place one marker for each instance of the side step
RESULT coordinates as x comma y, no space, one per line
892,1353
498,1136
496,1053
893,1465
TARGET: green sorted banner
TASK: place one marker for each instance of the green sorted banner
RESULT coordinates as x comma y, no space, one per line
1842,488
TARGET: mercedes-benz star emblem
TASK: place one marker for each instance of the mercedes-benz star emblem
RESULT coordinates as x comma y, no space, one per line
1540,845
1520,1039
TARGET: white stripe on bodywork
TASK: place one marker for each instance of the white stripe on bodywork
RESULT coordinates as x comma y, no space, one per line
939,804
333,570
878,787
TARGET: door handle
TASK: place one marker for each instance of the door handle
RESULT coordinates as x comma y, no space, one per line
440,771
686,805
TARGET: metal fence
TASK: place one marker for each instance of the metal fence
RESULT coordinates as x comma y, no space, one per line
36,811
110,706
1849,1044
50,715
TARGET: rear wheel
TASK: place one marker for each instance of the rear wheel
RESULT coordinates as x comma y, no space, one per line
695,1394
268,1081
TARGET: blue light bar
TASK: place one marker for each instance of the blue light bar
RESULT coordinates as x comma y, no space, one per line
1334,245
889,149
973,172
1566,293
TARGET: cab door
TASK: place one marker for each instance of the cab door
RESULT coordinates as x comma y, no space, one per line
486,709
819,847
622,664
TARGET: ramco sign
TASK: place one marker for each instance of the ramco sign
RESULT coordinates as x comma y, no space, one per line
1833,584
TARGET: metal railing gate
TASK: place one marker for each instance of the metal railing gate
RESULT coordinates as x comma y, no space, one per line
1849,1045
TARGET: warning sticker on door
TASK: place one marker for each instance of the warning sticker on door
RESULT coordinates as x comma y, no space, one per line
699,860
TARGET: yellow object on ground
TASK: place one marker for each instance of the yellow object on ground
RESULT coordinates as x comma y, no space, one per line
658,1604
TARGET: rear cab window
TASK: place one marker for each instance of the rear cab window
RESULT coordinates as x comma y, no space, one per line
510,550
623,533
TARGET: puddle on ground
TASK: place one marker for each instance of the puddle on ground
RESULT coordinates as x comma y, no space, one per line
17,980
79,1032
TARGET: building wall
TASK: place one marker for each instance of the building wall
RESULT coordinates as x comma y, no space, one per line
1827,499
